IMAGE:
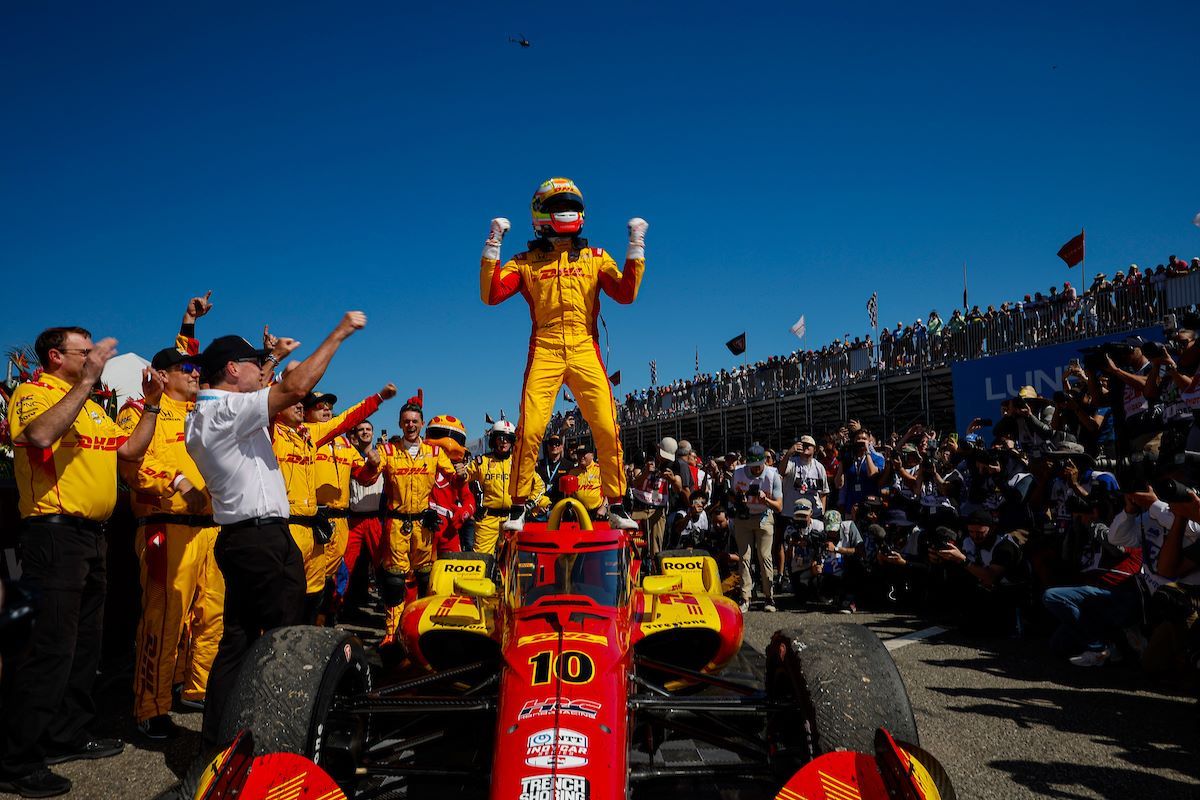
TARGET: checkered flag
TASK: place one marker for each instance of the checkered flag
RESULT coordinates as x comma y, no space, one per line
653,373
873,309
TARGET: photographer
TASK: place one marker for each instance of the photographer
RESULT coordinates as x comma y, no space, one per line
804,540
690,527
1127,364
1076,412
889,548
860,471
1073,476
985,577
901,472
838,569
758,492
1026,420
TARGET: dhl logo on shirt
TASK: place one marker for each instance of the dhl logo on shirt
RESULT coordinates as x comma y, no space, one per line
297,458
570,271
410,471
84,442
325,457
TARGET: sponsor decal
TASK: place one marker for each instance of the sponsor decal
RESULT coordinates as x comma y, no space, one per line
567,636
555,787
564,706
676,564
451,567
556,747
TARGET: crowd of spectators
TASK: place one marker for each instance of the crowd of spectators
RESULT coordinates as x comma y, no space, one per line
1074,517
1131,298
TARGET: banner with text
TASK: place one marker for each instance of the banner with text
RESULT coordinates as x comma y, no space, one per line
980,385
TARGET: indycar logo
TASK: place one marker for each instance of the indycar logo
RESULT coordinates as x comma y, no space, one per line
555,787
557,747
564,706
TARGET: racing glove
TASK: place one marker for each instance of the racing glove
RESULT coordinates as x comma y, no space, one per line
430,519
491,247
637,239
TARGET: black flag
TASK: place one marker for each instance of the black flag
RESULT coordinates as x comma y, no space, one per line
737,345
487,418
615,378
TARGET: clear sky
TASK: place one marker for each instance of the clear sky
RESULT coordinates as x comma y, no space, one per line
301,159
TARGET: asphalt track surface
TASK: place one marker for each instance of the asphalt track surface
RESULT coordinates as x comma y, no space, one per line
1005,719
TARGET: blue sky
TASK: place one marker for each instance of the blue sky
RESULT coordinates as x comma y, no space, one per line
300,159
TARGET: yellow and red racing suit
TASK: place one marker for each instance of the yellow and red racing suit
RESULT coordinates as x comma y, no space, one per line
492,474
183,591
562,287
589,492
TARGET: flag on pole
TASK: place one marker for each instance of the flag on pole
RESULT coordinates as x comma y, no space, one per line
873,309
487,419
737,345
697,359
964,286
1072,251
799,328
1196,220
653,372
567,396
615,378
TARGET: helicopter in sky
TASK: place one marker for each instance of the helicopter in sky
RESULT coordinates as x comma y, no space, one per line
521,40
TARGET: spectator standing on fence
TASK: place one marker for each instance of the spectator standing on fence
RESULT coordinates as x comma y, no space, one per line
67,450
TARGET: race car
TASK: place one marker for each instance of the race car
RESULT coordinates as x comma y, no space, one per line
565,670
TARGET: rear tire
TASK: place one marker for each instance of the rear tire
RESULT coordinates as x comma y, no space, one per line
284,692
838,683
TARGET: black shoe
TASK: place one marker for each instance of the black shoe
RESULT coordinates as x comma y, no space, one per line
39,783
191,705
158,728
86,749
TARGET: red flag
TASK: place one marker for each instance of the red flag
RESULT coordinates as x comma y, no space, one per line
1072,251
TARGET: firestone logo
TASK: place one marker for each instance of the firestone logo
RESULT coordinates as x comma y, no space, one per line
555,787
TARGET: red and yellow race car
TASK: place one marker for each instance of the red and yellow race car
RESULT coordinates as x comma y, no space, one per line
564,670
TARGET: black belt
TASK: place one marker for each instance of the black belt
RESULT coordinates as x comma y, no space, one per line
255,522
334,513
496,512
89,525
191,520
362,514
405,517
300,519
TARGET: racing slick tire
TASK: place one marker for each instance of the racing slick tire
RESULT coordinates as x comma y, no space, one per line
834,685
286,688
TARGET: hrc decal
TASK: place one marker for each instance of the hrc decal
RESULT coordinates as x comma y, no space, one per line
559,705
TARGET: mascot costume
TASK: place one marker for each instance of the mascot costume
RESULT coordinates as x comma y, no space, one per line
561,278
451,495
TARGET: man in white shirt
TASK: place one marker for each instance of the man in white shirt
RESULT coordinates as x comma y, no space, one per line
758,493
228,438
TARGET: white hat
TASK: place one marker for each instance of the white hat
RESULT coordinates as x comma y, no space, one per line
667,448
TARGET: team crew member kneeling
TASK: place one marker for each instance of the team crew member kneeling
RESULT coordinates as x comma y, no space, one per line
228,437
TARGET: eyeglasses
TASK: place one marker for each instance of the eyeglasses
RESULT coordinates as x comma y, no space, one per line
83,352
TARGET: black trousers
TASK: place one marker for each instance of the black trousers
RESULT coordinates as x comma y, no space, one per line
264,589
50,703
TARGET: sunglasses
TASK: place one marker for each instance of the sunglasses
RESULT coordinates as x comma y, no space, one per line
189,369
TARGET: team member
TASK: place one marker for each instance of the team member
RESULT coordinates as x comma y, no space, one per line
409,469
228,437
587,473
366,527
182,588
491,473
561,278
335,461
66,457
550,467
451,496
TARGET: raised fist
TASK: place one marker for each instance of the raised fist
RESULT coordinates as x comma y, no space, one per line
491,247
351,322
637,239
387,392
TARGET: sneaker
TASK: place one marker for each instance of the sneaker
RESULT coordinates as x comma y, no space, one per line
158,728
39,783
516,519
744,606
619,518
86,749
1136,639
769,608
192,704
1096,658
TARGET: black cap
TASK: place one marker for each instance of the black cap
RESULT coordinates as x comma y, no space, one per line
169,357
312,398
224,349
980,516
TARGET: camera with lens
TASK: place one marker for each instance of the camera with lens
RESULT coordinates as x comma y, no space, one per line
1153,350
1095,359
941,538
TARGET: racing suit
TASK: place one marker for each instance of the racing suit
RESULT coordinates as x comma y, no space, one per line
562,286
183,591
411,521
491,473
589,492
295,451
336,461
452,499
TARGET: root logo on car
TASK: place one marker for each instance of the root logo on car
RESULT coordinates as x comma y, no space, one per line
563,705
557,747
555,787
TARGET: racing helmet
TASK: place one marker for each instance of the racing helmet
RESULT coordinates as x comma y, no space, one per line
557,208
502,428
445,427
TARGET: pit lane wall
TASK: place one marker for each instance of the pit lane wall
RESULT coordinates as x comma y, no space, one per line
980,385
